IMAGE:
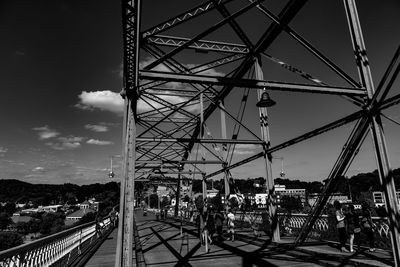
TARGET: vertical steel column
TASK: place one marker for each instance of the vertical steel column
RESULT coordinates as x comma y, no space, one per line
124,256
378,137
224,151
267,157
121,223
131,38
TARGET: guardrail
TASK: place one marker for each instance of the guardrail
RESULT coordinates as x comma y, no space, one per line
61,249
323,229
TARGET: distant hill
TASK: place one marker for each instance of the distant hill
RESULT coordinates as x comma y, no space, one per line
44,194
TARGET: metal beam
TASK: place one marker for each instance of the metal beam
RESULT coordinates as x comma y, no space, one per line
131,42
307,45
342,163
171,172
200,45
201,35
378,136
179,162
183,17
202,141
387,103
287,14
249,83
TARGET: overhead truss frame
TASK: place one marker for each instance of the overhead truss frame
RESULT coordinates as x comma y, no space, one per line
163,121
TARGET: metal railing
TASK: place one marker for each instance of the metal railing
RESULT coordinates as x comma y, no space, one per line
323,229
61,249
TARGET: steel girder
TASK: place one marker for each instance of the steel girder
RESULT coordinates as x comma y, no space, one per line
247,83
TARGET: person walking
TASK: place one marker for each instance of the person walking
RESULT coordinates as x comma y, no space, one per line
219,222
204,227
231,225
340,225
367,225
211,225
349,222
357,228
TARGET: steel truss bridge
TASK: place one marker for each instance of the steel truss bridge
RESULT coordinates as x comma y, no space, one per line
182,79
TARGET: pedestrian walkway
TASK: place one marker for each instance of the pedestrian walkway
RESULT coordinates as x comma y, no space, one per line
166,243
105,255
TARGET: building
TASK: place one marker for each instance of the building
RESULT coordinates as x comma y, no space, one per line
84,205
261,200
29,211
212,193
379,198
76,216
281,190
51,208
312,198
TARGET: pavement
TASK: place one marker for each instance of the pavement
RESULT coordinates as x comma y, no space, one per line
172,243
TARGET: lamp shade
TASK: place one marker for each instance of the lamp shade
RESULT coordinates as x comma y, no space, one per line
265,101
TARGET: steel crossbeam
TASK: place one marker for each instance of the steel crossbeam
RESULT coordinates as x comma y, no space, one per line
200,45
184,17
248,83
204,141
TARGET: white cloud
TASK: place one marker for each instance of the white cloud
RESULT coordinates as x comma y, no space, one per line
3,150
98,142
45,132
66,143
96,128
38,169
246,149
104,100
63,146
71,139
111,101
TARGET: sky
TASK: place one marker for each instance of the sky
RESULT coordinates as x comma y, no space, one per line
60,63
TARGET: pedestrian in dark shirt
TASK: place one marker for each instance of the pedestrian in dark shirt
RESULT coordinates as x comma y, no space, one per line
219,222
357,228
348,213
211,225
340,225
367,225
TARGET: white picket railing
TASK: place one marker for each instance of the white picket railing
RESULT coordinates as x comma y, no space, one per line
59,249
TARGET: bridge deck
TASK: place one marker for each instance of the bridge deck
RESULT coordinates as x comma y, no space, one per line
105,255
163,245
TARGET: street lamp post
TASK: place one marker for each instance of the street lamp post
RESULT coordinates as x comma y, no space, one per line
282,173
111,174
